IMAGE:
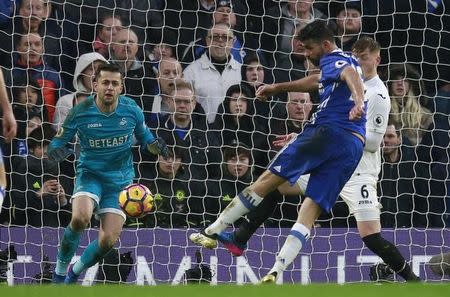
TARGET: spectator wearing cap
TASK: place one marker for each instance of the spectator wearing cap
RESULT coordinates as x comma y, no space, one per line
349,24
279,23
167,180
38,196
139,82
82,83
215,71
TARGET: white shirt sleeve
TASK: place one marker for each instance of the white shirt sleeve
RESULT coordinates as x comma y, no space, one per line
379,106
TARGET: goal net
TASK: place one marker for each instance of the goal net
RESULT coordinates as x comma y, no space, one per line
49,50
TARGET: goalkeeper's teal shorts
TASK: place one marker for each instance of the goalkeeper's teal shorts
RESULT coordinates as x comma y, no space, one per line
105,194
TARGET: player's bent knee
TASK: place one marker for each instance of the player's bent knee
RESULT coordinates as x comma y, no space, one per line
107,240
80,222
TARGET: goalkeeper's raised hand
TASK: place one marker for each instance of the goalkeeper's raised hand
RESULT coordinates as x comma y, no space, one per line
158,147
60,153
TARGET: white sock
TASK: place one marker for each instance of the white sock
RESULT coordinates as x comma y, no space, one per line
243,203
292,246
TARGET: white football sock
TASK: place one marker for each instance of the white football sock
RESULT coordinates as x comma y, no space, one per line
292,246
243,203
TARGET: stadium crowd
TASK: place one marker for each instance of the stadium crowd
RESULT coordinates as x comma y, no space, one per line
194,67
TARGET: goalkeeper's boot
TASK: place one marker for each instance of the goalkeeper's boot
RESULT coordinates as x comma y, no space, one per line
270,278
58,279
203,239
71,277
230,243
381,272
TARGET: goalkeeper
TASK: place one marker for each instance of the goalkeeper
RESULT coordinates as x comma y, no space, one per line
105,124
360,192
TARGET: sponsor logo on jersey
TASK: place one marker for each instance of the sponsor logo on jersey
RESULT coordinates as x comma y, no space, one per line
95,125
108,142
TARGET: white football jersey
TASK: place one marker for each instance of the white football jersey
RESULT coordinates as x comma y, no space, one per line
378,108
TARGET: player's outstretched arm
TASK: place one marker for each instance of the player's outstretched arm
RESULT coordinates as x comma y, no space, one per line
9,122
355,84
58,149
306,84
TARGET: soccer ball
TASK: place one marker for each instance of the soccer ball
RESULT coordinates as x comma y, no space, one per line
136,200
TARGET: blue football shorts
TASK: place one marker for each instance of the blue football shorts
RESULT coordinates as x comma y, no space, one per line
329,154
104,194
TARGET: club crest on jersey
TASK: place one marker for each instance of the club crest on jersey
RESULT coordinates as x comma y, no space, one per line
123,122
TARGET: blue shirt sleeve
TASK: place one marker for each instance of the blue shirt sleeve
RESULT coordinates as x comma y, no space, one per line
333,65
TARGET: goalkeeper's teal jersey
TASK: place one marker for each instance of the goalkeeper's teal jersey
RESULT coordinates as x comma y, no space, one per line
105,139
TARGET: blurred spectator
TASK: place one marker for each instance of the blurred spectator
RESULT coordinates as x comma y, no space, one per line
160,51
348,20
107,28
83,84
169,70
279,23
215,71
222,14
234,119
236,176
30,65
7,10
38,197
139,83
293,66
396,188
27,98
171,192
407,103
188,130
30,18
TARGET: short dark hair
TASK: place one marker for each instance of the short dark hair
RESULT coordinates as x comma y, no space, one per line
235,149
364,43
108,68
316,31
40,136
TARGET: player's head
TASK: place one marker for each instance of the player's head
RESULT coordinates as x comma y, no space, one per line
30,48
367,50
318,39
220,40
299,106
184,100
108,84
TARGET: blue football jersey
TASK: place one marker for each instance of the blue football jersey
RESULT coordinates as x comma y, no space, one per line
335,97
105,139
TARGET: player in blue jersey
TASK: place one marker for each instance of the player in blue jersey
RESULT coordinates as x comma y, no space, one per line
329,148
105,124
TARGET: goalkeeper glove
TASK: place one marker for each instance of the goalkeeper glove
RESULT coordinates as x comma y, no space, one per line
59,154
158,147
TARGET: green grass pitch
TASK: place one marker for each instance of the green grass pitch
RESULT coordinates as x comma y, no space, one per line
324,290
